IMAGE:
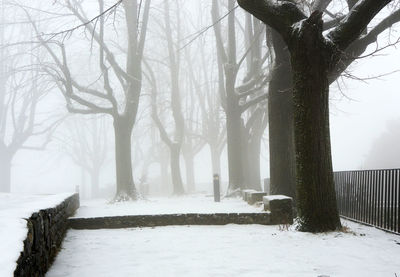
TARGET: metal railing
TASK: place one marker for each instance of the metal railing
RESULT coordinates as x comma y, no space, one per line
370,196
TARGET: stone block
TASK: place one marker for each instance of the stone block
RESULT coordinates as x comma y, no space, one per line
246,193
255,196
281,208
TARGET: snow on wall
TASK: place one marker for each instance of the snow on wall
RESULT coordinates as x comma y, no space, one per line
31,229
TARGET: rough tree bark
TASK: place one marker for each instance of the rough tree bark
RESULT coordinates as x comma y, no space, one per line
315,187
280,113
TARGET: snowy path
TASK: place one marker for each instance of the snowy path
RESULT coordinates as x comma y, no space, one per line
173,205
232,250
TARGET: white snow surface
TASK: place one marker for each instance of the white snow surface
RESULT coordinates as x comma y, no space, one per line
172,205
231,250
276,197
13,230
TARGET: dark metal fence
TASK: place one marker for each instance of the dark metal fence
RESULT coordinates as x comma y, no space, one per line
370,196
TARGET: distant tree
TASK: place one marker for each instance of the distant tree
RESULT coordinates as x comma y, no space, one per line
315,57
21,91
86,143
120,84
213,130
385,150
173,145
237,99
193,142
176,140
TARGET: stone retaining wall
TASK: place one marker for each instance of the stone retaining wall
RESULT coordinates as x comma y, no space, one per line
46,230
170,219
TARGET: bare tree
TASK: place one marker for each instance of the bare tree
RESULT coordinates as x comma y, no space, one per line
315,57
122,105
193,142
175,142
21,90
212,124
236,99
87,145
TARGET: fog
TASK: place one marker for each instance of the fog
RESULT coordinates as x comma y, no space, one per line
72,148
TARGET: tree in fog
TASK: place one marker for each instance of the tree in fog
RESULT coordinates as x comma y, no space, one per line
193,142
385,150
21,90
280,104
237,99
174,141
316,58
253,92
205,88
86,143
118,86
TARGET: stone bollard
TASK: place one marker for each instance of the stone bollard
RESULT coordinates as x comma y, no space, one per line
255,196
281,208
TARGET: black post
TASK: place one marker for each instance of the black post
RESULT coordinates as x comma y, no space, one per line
216,188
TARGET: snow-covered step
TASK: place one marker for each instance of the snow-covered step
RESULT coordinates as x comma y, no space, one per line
280,206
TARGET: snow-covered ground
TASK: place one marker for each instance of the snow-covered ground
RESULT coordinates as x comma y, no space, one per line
172,205
13,209
232,250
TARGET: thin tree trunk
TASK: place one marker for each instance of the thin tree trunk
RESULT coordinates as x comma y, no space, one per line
125,186
253,162
175,170
189,166
280,112
5,173
317,208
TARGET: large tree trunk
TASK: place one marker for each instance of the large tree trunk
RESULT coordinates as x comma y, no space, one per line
234,122
123,162
234,143
5,173
252,135
175,170
280,112
189,167
253,160
316,198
